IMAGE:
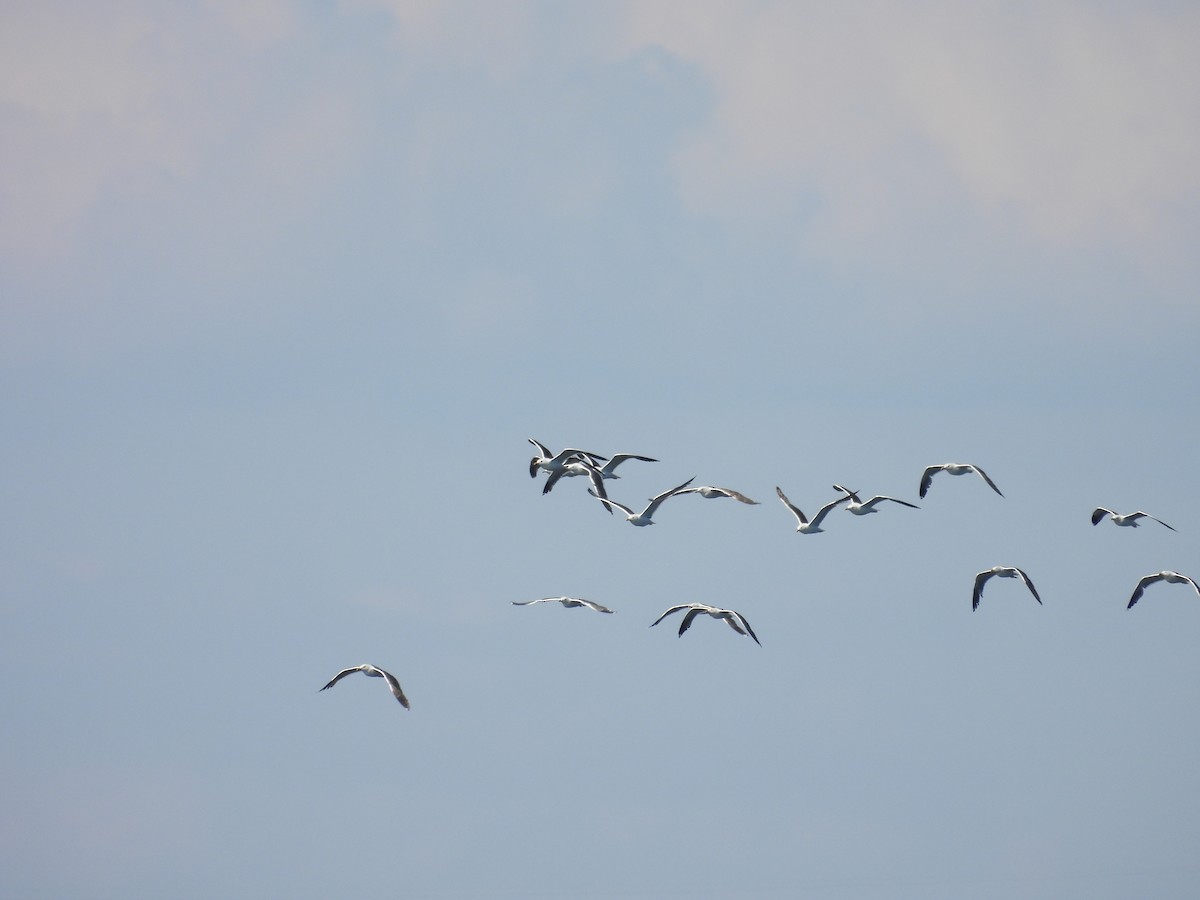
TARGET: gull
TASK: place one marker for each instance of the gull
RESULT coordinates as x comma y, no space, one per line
734,619
578,467
1003,572
813,525
568,602
860,508
372,672
551,462
1169,577
708,492
954,469
1129,520
642,518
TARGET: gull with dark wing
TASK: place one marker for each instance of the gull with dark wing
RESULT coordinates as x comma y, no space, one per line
1168,577
1129,520
643,517
568,602
551,462
861,508
608,470
1003,572
733,619
954,469
372,672
813,525
709,492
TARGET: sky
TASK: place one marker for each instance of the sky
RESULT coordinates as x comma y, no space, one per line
285,289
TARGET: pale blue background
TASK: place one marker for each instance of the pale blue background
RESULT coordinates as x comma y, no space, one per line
284,288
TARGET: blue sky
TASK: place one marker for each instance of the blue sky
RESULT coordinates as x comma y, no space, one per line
285,288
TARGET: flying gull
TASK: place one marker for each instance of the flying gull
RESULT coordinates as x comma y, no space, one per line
578,467
1003,572
813,525
550,462
568,602
954,469
708,492
734,619
1129,520
644,517
861,508
372,672
1169,577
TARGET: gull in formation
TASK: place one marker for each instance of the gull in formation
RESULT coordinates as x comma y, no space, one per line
1169,577
734,619
372,672
708,492
643,517
568,602
813,525
954,469
551,462
1003,572
608,470
1129,520
861,508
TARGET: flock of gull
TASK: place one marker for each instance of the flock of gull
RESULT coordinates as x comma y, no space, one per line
573,462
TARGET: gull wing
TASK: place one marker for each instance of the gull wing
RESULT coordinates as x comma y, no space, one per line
824,510
795,511
927,479
340,675
1029,584
657,501
984,476
980,581
611,503
1144,515
618,458
1145,582
746,624
395,686
673,609
1099,513
688,619
879,498
596,606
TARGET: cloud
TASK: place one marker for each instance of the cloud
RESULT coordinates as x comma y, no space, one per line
1071,124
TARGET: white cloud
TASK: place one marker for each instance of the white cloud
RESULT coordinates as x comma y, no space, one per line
1071,123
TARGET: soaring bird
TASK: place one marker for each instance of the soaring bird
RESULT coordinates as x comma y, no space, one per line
550,462
1003,572
954,469
708,492
734,619
568,602
643,517
861,508
1169,577
813,525
372,672
1129,520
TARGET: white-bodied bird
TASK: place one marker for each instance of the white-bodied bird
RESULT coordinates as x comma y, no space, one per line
813,525
954,469
1003,572
1167,576
1128,520
643,517
372,672
568,602
734,619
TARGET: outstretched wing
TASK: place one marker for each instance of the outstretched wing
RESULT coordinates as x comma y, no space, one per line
824,510
1145,582
1144,515
673,609
927,479
1099,513
984,476
657,501
980,581
1029,584
800,520
340,675
395,686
